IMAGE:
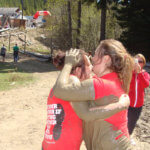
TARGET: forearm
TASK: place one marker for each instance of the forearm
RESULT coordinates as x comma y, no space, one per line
107,110
74,90
81,91
100,112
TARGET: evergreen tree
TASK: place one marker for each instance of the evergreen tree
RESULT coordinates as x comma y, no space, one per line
79,24
102,4
30,6
134,18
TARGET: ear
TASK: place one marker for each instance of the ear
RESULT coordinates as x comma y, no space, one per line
107,59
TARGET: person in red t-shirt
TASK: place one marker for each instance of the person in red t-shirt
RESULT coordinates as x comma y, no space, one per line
64,128
140,81
113,68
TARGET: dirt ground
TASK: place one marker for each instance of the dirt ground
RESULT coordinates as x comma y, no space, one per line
23,110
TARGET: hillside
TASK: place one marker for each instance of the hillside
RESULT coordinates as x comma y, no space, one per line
35,39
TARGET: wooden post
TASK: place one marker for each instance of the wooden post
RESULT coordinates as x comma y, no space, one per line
25,37
79,24
9,40
70,23
51,47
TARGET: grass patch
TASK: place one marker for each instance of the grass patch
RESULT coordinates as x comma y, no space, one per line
42,51
11,76
39,50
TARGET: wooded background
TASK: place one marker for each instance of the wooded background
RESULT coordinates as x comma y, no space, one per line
84,23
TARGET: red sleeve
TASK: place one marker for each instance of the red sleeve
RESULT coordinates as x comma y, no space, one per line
144,78
99,88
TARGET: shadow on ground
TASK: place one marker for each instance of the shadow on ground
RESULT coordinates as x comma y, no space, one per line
29,65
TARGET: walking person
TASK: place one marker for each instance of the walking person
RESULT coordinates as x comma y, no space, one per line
3,52
15,53
140,81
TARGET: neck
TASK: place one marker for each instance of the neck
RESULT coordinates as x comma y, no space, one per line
104,72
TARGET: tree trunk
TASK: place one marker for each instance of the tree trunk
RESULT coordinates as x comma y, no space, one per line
70,24
79,24
103,21
35,5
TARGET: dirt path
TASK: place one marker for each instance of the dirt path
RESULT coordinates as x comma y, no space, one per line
23,110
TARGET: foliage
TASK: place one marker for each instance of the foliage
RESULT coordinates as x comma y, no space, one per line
90,28
56,26
134,19
30,6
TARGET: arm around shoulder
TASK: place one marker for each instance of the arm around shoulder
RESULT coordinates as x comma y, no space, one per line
75,90
101,112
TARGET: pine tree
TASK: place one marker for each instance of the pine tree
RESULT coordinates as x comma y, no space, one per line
102,5
134,18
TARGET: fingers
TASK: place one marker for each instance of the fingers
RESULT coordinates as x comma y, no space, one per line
74,52
72,56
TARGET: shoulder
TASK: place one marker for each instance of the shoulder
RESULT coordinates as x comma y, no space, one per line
97,79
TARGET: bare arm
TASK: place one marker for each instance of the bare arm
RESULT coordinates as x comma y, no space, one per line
76,90
101,112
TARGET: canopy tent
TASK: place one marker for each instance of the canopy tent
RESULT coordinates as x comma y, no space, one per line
41,13
9,11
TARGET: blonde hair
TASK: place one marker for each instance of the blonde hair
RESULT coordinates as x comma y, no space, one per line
122,62
142,57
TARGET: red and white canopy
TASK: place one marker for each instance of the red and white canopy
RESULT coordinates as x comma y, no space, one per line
41,13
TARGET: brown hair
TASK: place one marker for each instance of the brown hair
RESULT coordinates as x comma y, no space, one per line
122,62
142,57
59,61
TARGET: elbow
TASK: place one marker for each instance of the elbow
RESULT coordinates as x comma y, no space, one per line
61,94
55,91
58,92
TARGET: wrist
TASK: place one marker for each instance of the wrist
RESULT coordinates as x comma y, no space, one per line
68,65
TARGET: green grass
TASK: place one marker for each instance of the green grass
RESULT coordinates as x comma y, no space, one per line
38,50
42,51
11,76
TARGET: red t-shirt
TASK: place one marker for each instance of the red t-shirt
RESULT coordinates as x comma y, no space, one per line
64,128
110,85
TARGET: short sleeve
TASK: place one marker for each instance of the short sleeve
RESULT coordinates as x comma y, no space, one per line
98,87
